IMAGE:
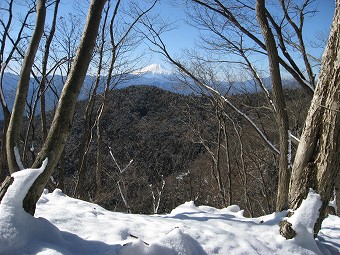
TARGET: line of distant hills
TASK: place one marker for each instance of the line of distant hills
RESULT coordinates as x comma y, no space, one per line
152,75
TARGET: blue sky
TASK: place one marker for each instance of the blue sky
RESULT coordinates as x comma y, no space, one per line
184,36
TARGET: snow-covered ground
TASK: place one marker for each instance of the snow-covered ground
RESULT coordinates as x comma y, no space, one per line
64,225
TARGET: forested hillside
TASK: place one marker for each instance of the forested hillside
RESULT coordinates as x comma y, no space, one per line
175,148
149,126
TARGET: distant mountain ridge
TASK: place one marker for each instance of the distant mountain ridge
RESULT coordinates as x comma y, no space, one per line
152,75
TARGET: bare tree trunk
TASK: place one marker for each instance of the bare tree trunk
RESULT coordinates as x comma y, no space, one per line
228,163
4,186
317,158
42,85
244,174
100,114
7,116
87,136
3,157
86,140
15,124
280,106
62,121
6,112
218,175
61,179
99,165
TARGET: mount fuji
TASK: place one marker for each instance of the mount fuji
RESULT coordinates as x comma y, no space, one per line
155,75
154,69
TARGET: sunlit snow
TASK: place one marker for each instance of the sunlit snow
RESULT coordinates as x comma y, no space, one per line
153,69
64,225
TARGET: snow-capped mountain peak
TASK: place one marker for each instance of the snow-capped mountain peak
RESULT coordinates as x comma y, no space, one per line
153,69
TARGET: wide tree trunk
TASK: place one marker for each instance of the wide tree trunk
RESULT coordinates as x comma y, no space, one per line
280,106
15,123
317,160
62,121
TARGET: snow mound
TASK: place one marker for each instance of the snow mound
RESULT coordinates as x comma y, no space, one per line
18,228
23,180
74,227
305,216
303,221
174,243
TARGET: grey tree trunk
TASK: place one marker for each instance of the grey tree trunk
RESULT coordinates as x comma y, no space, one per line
15,123
317,160
280,106
42,85
62,121
3,156
99,164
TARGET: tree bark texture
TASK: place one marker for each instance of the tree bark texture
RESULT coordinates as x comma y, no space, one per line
62,121
15,123
4,186
317,158
280,106
3,156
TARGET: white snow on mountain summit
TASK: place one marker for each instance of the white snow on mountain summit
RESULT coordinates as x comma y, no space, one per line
153,69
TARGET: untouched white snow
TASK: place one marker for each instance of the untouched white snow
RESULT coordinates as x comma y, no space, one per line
303,221
70,226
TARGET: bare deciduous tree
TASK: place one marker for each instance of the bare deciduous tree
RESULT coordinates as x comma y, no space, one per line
15,124
317,162
42,85
118,38
62,121
280,106
233,37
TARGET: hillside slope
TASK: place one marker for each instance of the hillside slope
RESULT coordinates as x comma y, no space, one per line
147,125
